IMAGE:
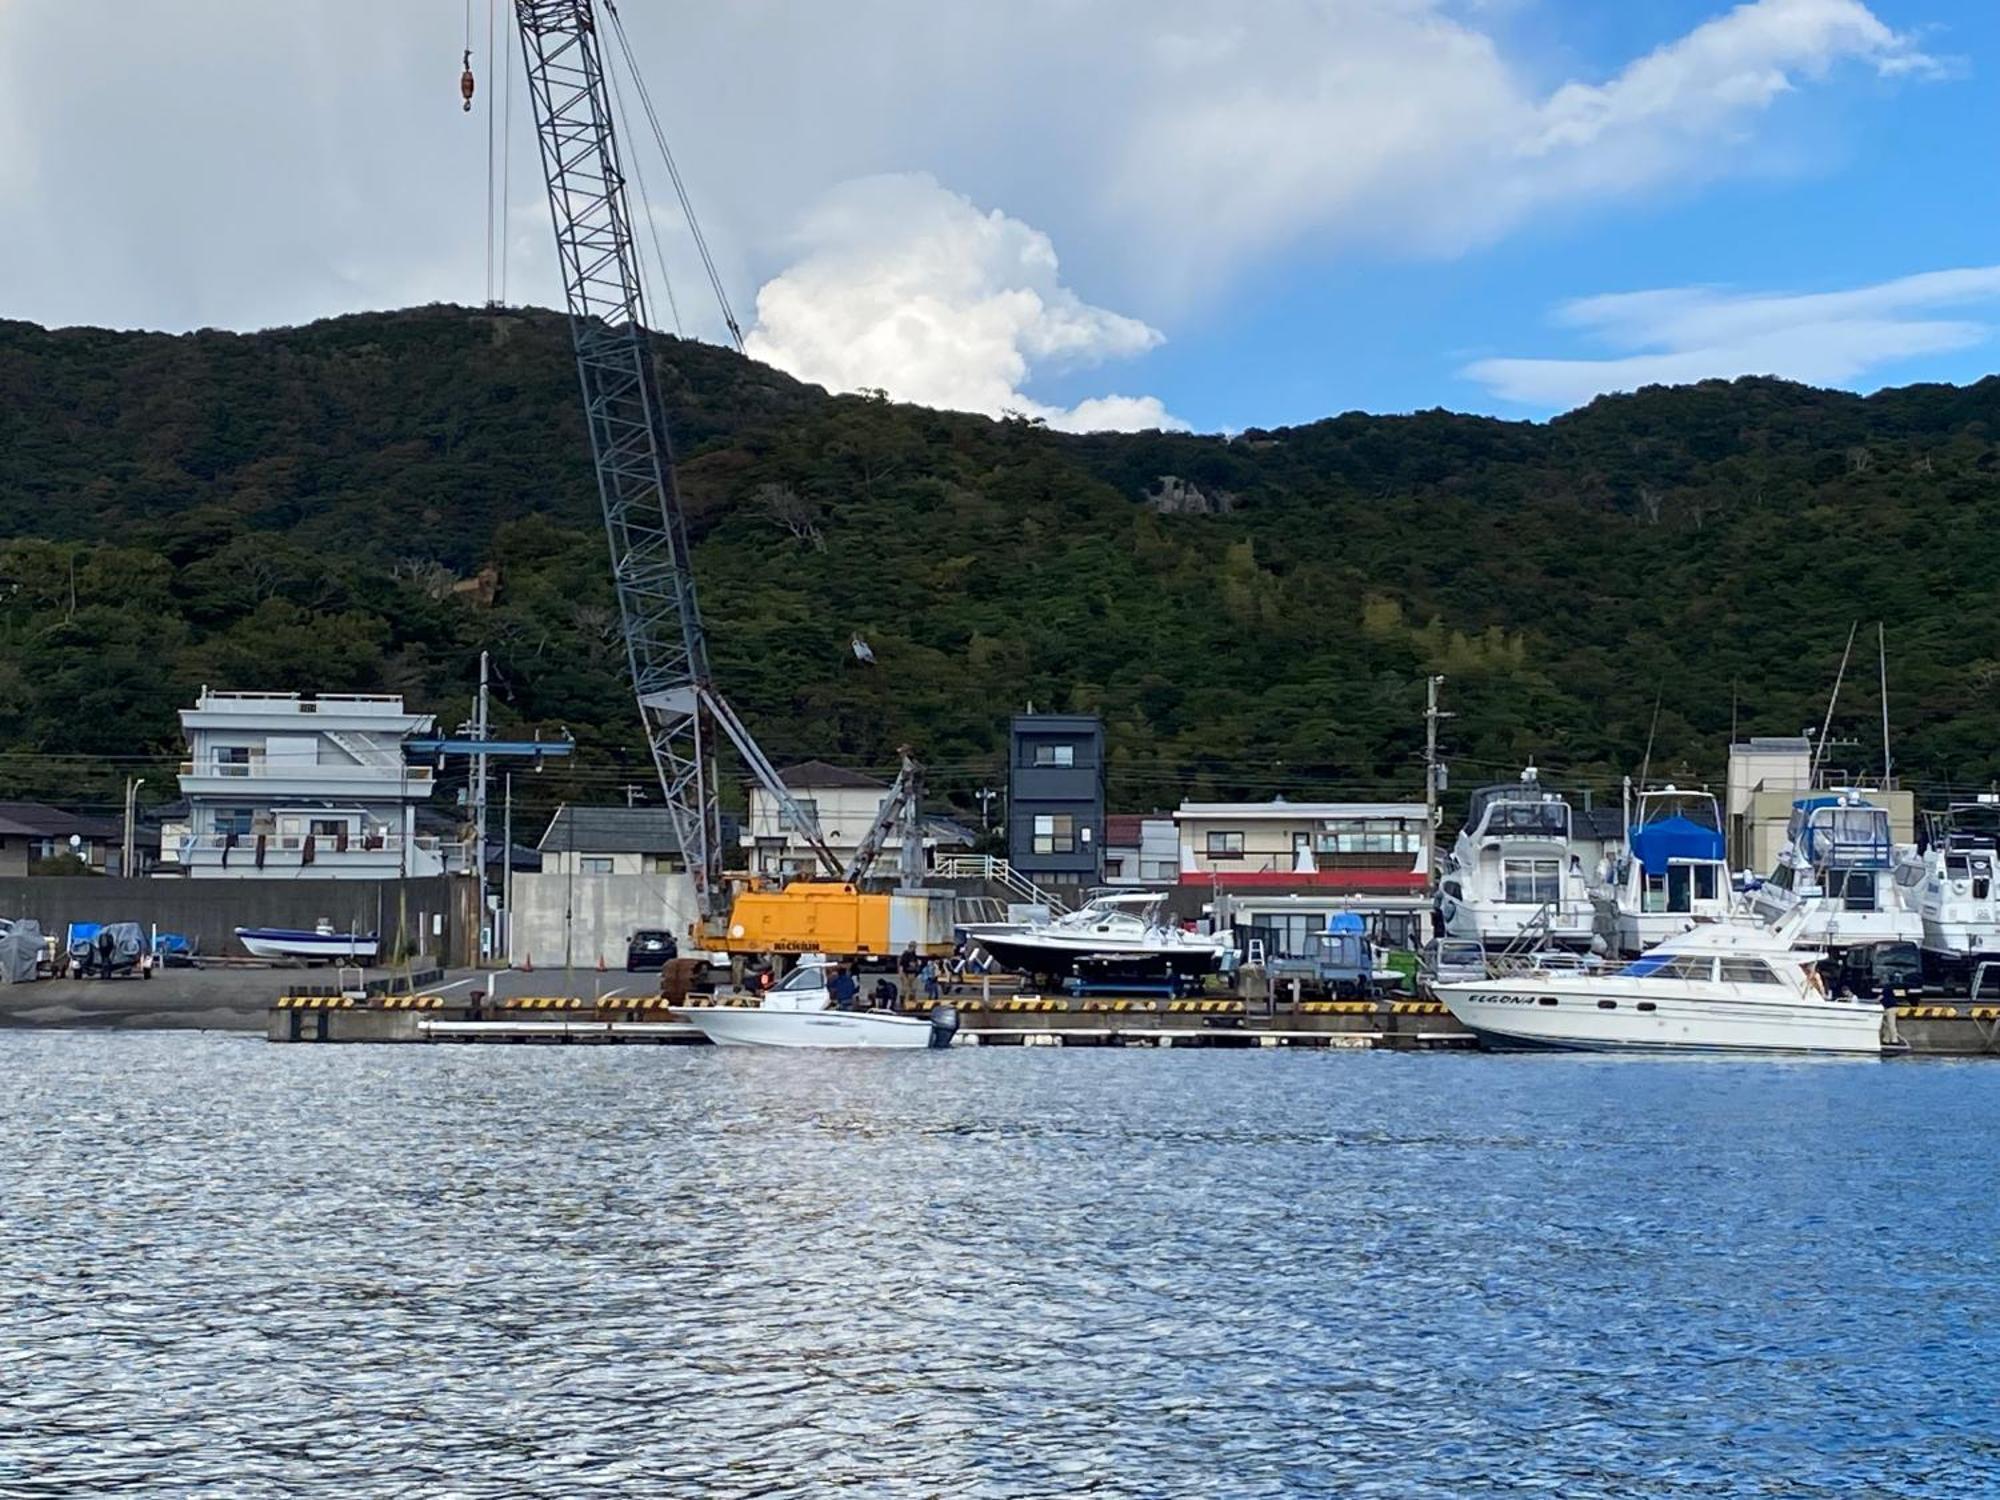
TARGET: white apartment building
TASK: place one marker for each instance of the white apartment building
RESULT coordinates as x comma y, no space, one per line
280,784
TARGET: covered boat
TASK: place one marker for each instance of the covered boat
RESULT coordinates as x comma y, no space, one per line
1673,872
323,944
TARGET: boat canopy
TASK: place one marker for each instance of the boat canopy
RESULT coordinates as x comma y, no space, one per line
1659,844
1841,832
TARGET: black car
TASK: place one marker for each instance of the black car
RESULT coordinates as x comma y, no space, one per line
650,948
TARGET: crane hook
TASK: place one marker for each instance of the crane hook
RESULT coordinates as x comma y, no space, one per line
465,82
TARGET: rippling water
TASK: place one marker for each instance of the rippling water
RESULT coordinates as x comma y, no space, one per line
227,1267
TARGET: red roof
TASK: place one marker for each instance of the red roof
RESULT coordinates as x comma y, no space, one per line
1123,830
1358,881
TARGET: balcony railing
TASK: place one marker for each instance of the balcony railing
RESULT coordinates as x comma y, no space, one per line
369,848
408,775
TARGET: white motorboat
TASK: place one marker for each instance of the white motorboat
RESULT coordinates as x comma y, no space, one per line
799,1012
1512,873
1720,987
323,944
1119,936
1952,885
1673,872
1837,873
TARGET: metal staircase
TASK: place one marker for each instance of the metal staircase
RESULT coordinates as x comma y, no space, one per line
996,871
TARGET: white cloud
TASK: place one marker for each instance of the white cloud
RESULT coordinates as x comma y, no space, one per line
907,286
1392,123
1677,335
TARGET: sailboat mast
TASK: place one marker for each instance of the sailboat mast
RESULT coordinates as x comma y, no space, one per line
1882,662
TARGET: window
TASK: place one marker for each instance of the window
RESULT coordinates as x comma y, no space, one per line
1706,882
1225,846
1159,869
1687,968
1055,833
807,817
594,864
1372,836
1747,971
232,760
1055,755
1532,882
1114,869
236,820
328,828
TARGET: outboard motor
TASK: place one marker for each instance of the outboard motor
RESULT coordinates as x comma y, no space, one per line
944,1025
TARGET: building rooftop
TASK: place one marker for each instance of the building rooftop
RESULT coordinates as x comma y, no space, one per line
35,820
1296,812
611,830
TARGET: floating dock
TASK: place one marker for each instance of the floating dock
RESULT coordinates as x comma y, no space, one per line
1932,1029
998,1020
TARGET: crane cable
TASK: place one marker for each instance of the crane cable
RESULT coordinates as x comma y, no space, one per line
506,142
673,170
492,11
645,205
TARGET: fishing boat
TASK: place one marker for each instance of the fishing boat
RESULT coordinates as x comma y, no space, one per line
323,944
1720,987
1123,935
1513,874
1673,871
799,1012
1837,872
1952,885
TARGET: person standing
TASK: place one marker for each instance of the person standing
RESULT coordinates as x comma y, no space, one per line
929,975
909,965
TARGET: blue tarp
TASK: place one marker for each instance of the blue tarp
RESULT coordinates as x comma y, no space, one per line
1656,844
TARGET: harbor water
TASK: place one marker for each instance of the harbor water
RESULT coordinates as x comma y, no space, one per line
227,1268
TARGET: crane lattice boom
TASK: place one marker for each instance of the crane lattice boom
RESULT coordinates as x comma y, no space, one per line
650,562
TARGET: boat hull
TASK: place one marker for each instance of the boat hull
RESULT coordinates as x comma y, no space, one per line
277,942
1534,1014
839,1029
1027,955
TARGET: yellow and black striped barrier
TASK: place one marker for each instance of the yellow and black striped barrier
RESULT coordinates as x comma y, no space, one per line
411,1002
1118,1007
1205,1007
543,1002
1418,1007
1337,1008
1986,1012
318,1002
1928,1012
637,1002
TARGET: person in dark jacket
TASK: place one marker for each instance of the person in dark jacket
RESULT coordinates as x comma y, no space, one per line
909,965
843,988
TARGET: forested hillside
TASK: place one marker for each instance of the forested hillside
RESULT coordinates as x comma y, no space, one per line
363,504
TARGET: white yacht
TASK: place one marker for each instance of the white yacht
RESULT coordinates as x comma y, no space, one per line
1952,885
799,1012
1512,873
1673,872
1719,987
1837,872
1120,936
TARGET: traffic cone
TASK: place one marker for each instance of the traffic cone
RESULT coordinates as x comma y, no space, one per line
527,963
600,963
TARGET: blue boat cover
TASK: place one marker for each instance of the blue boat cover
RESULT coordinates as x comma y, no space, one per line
1345,921
1655,844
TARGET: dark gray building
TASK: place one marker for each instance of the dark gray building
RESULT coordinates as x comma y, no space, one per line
1055,798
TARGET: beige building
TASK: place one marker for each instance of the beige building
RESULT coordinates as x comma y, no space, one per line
1767,776
1363,845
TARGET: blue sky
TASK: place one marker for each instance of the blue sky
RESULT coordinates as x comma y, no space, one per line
1861,180
1105,213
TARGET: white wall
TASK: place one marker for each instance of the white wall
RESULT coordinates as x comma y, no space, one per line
605,911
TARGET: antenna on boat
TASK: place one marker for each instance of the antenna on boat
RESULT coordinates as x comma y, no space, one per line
1646,766
1819,747
1882,661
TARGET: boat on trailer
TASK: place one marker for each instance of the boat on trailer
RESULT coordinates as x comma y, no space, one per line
323,944
1116,936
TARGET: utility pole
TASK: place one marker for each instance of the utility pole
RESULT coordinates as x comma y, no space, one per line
633,791
986,795
130,851
1431,775
506,923
479,733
